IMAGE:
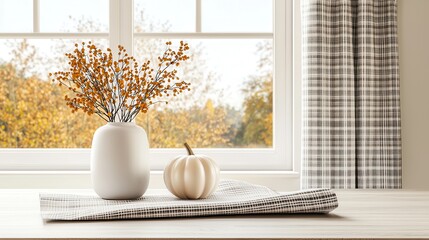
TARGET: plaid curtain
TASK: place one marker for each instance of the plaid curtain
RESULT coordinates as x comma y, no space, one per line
351,117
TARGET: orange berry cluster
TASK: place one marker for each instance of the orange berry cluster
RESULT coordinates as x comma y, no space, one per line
117,90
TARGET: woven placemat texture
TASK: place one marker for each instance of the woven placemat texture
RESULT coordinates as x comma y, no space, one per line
231,198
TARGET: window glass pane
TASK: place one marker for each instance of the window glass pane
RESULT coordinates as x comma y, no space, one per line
164,15
74,16
33,113
230,103
16,16
237,15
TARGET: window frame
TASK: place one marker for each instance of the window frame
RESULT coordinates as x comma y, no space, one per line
281,157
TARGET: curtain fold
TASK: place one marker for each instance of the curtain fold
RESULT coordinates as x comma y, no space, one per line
351,109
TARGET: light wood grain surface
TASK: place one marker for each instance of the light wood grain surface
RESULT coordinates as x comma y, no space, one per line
363,214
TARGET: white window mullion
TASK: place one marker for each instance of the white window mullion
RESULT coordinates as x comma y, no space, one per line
36,16
39,35
205,35
293,25
282,124
127,24
198,16
121,24
114,24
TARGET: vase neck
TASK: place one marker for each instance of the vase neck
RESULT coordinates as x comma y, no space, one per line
121,123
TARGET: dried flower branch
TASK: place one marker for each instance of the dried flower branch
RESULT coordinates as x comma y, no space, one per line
119,90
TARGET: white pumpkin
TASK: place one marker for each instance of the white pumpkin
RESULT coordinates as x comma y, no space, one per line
191,176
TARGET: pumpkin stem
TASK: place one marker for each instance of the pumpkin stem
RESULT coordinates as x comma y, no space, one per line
190,152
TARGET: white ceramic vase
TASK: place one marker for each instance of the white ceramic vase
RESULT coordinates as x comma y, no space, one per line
120,161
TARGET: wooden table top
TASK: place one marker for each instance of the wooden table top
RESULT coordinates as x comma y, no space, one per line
363,214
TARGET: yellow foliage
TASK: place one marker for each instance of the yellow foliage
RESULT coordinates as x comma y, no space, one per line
33,115
201,127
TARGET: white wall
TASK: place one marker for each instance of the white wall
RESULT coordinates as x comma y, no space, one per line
413,26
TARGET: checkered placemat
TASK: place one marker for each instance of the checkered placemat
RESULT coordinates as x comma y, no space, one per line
231,198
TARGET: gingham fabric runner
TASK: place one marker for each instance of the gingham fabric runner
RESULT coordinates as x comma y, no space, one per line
231,198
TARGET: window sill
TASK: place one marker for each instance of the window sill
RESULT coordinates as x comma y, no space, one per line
277,180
